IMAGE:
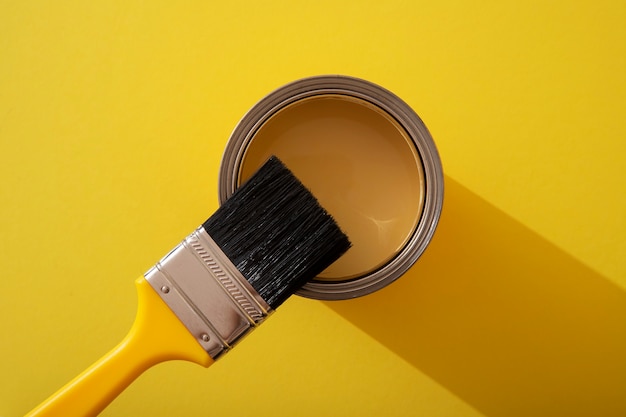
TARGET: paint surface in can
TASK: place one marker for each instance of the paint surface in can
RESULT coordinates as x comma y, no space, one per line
361,165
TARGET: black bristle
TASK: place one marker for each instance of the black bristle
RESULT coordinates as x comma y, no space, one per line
276,233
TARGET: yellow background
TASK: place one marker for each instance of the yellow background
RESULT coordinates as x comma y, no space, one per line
113,117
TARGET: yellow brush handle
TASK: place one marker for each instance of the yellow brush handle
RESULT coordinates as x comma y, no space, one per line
156,336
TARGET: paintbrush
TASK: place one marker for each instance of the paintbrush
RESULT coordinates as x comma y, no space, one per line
212,289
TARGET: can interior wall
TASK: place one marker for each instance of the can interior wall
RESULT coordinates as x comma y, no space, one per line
368,158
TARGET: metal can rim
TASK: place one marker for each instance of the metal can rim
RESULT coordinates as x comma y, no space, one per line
388,102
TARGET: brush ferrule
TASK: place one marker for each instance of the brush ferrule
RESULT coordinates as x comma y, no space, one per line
207,293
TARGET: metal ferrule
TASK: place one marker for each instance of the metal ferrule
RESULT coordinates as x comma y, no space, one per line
207,293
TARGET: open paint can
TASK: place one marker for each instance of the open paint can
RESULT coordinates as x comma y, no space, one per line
367,157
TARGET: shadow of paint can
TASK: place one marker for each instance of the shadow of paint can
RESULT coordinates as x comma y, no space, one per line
367,157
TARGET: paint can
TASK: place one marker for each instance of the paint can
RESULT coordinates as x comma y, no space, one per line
368,158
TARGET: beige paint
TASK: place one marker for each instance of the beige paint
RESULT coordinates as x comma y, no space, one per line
361,165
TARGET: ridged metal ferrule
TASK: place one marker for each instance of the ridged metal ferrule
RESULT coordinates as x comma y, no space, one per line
207,293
